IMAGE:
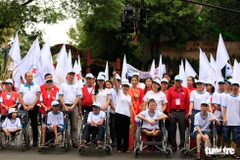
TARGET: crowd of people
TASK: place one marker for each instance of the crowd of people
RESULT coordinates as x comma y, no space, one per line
154,100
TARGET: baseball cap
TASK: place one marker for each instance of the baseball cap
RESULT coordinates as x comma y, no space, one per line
89,75
48,80
8,81
209,82
71,72
157,81
164,80
200,81
135,74
55,103
125,83
118,77
102,74
96,104
12,110
177,78
235,83
100,78
229,80
221,81
204,102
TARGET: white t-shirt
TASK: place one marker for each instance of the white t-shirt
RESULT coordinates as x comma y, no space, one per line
29,93
197,97
96,118
232,105
101,97
113,98
203,123
123,103
9,125
70,92
147,115
55,119
217,100
159,97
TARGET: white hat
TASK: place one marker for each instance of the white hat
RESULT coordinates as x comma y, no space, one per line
157,81
164,80
102,74
55,103
135,74
200,81
8,81
235,83
177,78
89,75
96,104
125,83
209,82
205,102
48,80
12,110
71,72
220,81
118,77
100,78
229,80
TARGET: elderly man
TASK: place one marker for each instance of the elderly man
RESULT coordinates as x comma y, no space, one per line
29,95
47,77
69,96
177,108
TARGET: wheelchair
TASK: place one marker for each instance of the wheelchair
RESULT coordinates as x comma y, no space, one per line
50,136
22,136
186,150
93,136
160,142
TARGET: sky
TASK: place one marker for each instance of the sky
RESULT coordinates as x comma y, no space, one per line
57,32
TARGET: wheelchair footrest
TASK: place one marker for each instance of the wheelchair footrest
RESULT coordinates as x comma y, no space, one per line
152,143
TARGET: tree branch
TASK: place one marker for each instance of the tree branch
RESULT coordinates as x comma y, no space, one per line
27,2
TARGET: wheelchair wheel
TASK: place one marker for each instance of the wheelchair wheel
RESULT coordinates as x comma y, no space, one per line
184,152
168,152
108,149
66,141
136,152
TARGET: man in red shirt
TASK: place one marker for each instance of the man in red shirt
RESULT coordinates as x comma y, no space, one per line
47,77
177,108
87,93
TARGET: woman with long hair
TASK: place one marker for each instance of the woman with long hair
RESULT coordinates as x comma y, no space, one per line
191,86
148,85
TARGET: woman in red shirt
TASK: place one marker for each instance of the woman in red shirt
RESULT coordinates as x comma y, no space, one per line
191,86
9,98
148,85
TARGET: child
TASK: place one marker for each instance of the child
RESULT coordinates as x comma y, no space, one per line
11,124
151,119
55,122
94,123
202,131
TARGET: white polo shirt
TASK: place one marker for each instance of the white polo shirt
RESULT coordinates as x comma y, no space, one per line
203,123
159,97
96,118
70,92
197,97
123,103
55,119
147,125
101,97
29,93
217,100
232,105
9,125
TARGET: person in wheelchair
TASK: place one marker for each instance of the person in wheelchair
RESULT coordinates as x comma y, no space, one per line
95,122
11,124
55,122
202,130
151,118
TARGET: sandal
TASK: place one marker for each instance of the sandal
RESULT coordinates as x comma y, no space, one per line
235,156
83,145
119,151
198,156
99,145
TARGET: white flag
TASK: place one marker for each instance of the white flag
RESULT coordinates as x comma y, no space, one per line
182,74
70,66
62,68
229,70
15,52
189,71
77,70
204,67
152,70
222,54
124,68
160,70
236,68
106,71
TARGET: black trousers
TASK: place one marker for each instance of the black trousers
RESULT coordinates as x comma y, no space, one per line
89,129
33,115
177,117
112,127
122,131
86,111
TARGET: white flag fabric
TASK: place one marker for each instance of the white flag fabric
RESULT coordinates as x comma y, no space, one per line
215,74
204,67
70,66
189,71
236,68
228,71
62,65
106,71
77,70
31,63
46,57
124,68
222,54
152,70
182,74
160,70
15,52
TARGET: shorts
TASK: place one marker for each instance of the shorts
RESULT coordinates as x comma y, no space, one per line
235,133
219,128
194,134
59,129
